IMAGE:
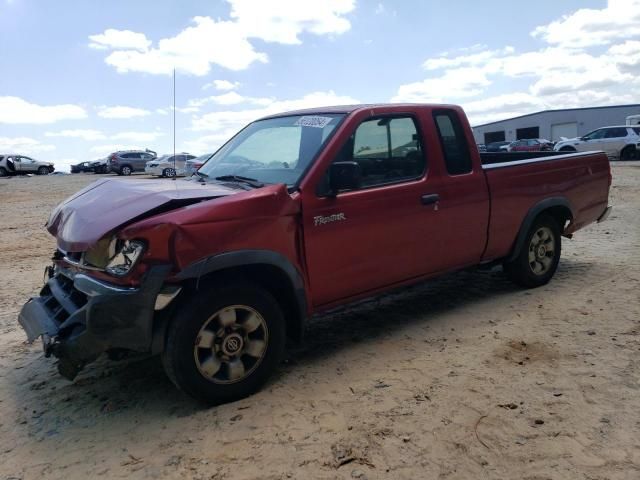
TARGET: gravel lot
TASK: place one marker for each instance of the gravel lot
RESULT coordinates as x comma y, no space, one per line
466,377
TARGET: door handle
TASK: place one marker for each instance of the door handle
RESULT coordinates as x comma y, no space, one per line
429,199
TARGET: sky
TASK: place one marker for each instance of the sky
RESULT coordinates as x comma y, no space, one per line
82,79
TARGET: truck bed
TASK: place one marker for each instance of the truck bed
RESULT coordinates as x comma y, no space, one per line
520,180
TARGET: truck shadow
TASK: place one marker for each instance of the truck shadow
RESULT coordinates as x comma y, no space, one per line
111,394
421,304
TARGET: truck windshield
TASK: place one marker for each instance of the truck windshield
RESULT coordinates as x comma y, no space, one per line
274,150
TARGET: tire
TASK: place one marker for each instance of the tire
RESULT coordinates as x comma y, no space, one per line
169,172
629,153
204,345
43,171
538,260
3,172
567,149
125,170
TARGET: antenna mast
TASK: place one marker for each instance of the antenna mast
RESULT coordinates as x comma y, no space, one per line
174,119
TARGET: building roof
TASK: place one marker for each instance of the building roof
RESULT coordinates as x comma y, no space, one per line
558,110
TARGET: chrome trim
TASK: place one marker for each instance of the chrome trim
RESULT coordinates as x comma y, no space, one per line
539,159
92,287
166,296
82,264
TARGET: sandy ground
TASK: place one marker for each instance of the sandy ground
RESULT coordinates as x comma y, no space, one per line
466,377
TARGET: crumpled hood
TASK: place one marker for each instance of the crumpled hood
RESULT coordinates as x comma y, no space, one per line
86,217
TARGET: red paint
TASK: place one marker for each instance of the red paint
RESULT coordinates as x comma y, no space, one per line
388,237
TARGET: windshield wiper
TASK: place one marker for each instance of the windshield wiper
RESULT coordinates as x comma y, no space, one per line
240,179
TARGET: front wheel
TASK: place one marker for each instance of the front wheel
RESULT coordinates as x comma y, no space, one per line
43,171
225,342
3,172
169,172
538,260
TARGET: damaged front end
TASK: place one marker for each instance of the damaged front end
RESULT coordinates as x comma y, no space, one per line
80,317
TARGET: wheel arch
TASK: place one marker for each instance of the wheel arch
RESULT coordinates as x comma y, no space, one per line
557,207
268,269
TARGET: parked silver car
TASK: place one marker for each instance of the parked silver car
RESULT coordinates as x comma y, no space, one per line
621,142
12,164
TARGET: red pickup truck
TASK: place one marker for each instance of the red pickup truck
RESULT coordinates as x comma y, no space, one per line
298,213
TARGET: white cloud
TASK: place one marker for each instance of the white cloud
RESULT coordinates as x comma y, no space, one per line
137,136
23,145
122,112
620,19
225,42
87,134
282,21
223,85
466,60
106,149
569,71
15,110
228,122
456,83
229,98
120,39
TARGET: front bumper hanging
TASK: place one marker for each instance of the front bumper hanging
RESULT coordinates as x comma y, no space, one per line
79,317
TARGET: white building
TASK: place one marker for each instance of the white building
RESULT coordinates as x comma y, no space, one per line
553,124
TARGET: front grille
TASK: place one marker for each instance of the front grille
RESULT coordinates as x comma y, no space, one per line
61,298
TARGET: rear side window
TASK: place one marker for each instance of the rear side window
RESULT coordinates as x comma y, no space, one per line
635,129
616,132
453,142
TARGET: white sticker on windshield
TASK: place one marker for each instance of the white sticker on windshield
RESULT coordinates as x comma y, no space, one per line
312,121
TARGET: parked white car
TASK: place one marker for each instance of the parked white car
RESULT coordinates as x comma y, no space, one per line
621,142
168,165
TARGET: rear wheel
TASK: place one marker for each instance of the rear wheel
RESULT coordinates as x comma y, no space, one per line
567,149
629,153
538,260
43,171
3,172
125,170
169,172
225,342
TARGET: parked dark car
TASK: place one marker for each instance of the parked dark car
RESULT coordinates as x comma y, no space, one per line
101,166
126,162
83,167
497,146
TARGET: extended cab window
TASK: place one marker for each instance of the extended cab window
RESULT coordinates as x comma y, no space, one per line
453,142
387,149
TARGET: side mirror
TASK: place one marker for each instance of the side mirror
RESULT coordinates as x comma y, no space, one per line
344,176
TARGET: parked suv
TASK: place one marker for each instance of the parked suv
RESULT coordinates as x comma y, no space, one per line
19,164
622,142
126,162
168,165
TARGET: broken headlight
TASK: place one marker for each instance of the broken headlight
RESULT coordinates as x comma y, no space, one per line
127,254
